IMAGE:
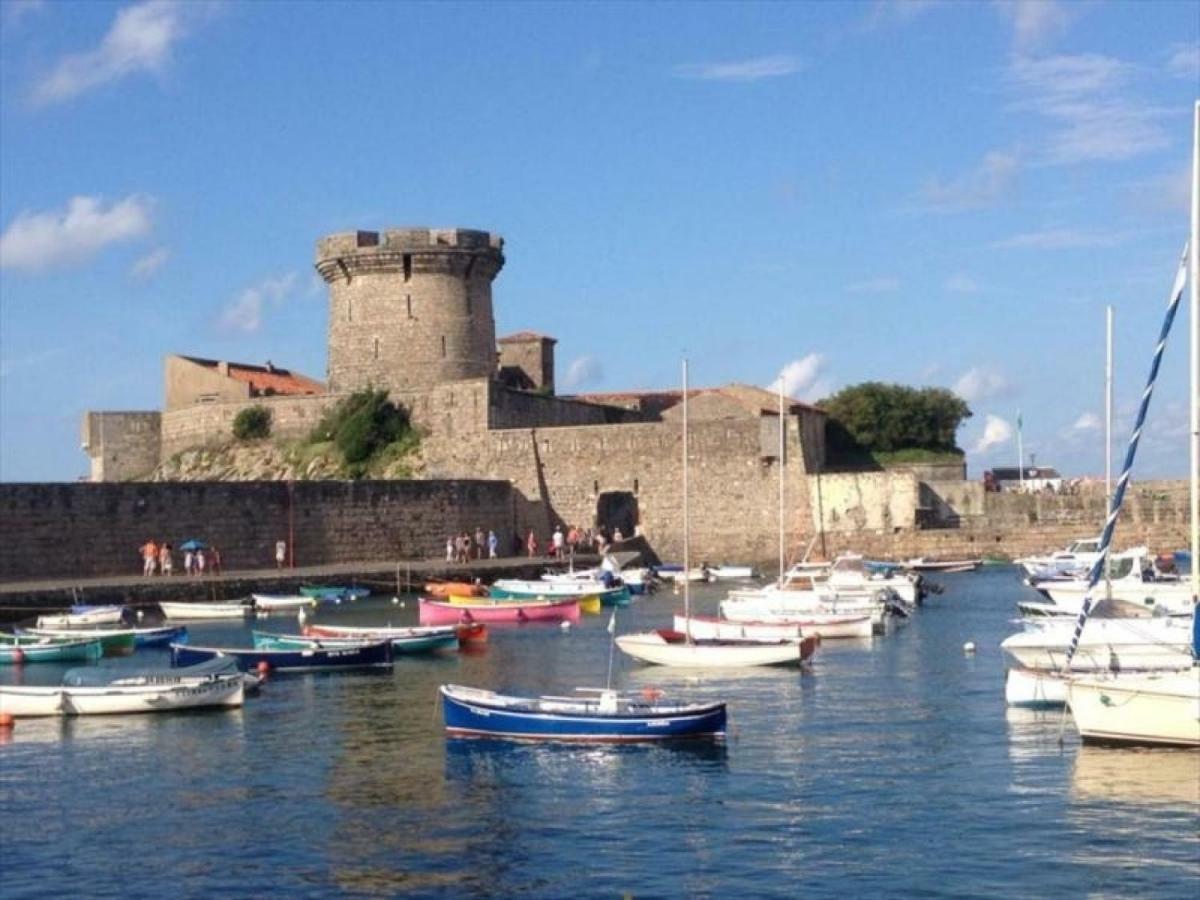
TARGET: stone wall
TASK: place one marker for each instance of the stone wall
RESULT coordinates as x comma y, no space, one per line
203,423
520,409
81,530
561,474
864,501
121,445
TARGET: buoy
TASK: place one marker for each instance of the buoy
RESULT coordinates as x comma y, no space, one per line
7,720
141,615
395,601
565,626
264,667
302,615
18,656
969,647
403,604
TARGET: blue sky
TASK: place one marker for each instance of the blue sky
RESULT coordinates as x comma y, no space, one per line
923,192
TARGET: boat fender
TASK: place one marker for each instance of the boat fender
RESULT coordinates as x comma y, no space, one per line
18,656
6,721
264,668
650,694
565,626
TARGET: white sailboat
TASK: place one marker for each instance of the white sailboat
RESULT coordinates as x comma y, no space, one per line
667,647
1158,709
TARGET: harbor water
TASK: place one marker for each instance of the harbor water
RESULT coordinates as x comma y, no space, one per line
890,768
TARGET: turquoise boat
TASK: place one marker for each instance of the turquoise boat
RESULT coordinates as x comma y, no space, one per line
115,641
333,592
511,589
420,643
50,651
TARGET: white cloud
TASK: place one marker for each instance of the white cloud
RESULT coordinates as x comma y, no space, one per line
244,314
803,379
978,384
1184,61
996,432
583,371
150,263
883,285
1034,21
744,70
45,239
1087,421
1092,116
141,39
979,188
1059,239
961,284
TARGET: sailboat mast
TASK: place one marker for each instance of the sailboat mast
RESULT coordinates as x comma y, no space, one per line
687,565
1108,416
1194,394
782,434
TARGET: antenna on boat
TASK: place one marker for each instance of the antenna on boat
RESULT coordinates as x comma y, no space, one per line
687,599
782,426
612,642
1108,416
1194,312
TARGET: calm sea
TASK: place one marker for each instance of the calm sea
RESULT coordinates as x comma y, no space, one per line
892,768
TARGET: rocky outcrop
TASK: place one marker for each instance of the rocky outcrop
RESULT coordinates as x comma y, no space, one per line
267,461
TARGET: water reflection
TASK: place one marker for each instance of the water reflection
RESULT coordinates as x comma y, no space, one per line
1137,776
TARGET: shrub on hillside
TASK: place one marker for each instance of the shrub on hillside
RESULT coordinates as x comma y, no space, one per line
252,423
889,417
363,424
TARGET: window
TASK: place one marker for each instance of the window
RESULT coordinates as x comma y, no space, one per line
377,348
349,309
408,303
407,266
443,346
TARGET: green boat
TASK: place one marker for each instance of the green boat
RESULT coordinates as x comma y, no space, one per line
50,651
115,641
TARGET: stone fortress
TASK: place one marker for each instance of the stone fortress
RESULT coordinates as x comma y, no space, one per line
410,310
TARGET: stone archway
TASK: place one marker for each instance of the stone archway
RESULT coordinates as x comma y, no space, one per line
617,510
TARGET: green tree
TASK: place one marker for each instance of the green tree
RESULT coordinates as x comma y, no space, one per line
252,423
875,416
362,425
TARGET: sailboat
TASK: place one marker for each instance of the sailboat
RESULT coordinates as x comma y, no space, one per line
668,647
1156,708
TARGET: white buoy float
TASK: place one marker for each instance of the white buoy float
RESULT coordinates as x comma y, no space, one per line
140,615
395,601
565,626
969,647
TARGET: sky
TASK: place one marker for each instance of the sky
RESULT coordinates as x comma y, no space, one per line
927,193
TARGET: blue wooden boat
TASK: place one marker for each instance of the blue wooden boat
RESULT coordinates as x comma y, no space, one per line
446,639
34,650
606,716
300,659
334,592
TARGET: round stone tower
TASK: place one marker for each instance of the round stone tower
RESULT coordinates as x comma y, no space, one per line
409,308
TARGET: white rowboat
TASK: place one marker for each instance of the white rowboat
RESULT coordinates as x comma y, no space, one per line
174,610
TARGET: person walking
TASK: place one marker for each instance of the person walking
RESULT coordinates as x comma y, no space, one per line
466,554
149,557
493,544
280,553
189,562
200,561
531,543
479,539
165,563
449,548
557,542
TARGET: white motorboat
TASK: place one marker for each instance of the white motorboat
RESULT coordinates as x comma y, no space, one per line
671,648
1078,555
115,691
83,615
1146,708
1129,584
1034,689
277,602
1105,644
822,626
782,607
197,611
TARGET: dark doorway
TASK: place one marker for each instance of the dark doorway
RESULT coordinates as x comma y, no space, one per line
617,510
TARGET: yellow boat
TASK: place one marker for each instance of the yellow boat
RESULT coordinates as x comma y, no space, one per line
589,605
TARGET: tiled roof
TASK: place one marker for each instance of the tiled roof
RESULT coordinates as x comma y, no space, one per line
266,379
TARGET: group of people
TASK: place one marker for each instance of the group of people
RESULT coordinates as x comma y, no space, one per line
463,548
563,544
158,558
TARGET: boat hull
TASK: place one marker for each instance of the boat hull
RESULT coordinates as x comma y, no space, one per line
833,627
670,649
306,659
1105,645
437,612
83,615
199,611
224,691
470,713
1031,689
1150,709
277,602
62,651
401,646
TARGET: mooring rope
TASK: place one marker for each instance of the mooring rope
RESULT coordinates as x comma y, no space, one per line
1123,482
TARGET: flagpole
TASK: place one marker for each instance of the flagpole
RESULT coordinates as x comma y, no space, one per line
782,427
1020,455
1194,399
612,643
687,571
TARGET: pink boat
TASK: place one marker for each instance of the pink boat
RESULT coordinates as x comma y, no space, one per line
439,612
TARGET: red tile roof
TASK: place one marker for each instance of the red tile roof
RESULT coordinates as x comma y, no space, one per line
268,379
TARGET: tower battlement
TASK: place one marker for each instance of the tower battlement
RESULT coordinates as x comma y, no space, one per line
409,308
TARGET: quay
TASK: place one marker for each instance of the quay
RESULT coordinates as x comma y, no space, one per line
20,599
